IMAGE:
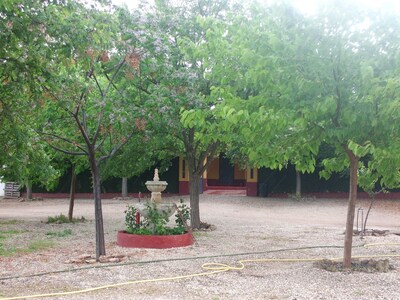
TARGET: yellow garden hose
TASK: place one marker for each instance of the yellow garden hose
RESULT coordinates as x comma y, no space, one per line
212,268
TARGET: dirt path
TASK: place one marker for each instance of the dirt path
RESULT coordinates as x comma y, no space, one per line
244,225
217,208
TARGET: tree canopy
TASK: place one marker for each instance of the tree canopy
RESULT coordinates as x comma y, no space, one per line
264,83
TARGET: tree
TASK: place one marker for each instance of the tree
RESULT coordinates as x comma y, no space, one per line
88,93
354,66
176,86
144,150
23,157
320,80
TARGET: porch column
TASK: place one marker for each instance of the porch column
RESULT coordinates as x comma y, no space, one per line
183,177
252,181
205,177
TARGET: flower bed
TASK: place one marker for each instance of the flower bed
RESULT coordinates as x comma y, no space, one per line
129,240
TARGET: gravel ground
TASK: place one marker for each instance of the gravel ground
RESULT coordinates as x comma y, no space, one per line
255,231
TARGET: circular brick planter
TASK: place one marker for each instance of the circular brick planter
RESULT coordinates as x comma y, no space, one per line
129,240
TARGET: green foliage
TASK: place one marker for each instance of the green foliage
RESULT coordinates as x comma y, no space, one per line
61,219
4,235
6,251
38,245
23,56
182,215
156,222
63,233
8,222
130,219
33,246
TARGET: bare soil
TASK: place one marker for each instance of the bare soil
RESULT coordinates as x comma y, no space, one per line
276,240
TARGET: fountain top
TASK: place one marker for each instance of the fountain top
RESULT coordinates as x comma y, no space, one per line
156,187
156,178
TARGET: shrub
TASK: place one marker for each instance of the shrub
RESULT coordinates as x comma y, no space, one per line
156,221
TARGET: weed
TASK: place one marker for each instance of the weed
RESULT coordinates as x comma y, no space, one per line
9,232
182,216
8,222
61,219
64,233
10,250
200,233
4,234
38,245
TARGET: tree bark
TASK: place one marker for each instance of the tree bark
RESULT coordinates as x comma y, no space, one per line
298,185
28,185
100,244
124,187
194,181
72,194
348,241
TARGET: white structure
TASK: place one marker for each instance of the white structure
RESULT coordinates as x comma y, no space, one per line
1,189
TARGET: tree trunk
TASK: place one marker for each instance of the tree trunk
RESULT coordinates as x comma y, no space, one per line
100,245
72,194
298,185
194,181
348,241
124,187
28,186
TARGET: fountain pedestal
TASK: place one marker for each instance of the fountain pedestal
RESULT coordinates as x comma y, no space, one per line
156,187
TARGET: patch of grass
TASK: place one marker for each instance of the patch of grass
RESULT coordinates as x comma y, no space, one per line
63,233
37,246
9,232
62,219
32,247
8,222
200,233
6,251
4,234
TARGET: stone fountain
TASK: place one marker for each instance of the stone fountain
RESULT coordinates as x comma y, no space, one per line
156,186
125,239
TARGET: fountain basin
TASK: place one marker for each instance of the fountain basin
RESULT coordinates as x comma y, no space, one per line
156,186
165,208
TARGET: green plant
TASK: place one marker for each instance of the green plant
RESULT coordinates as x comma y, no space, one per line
61,219
6,251
182,215
130,219
155,222
32,247
63,233
8,222
4,234
39,245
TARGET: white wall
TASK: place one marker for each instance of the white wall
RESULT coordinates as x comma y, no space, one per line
1,189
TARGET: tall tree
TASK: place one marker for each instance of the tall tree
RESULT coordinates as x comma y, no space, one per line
23,157
355,62
176,84
89,100
328,79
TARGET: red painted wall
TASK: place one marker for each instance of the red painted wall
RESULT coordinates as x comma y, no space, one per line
251,189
